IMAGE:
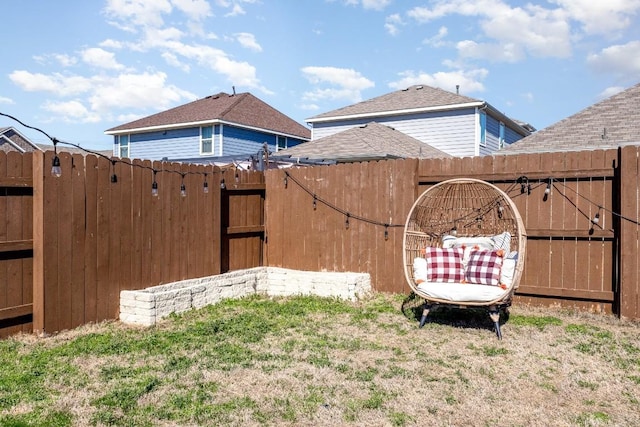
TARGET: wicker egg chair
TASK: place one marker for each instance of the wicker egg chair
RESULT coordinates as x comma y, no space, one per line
463,209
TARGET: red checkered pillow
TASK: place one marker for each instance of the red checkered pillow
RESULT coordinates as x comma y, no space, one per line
444,265
484,267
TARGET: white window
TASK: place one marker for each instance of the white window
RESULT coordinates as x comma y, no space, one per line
206,140
282,143
123,145
501,140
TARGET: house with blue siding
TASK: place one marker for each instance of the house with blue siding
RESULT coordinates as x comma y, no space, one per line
455,124
217,126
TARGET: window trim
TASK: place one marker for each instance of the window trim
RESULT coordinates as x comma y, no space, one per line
286,142
203,140
127,145
482,118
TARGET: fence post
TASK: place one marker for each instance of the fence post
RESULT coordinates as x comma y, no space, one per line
38,241
629,279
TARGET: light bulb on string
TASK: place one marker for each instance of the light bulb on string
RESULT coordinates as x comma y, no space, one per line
154,185
56,170
596,218
183,189
315,205
114,177
386,232
205,186
237,176
223,186
346,221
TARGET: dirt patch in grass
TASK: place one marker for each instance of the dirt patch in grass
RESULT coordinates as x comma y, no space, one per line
313,361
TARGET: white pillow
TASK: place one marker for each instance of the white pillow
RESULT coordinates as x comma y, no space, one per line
507,272
419,270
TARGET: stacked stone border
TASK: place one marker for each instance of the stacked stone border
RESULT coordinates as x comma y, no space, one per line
147,306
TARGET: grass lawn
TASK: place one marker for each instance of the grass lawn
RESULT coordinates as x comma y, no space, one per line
309,361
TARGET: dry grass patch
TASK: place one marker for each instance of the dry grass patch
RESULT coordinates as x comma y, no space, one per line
313,361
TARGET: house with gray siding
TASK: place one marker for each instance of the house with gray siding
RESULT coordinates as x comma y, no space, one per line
12,140
221,125
455,124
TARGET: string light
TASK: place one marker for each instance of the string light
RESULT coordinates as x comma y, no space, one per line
315,205
56,170
154,185
596,218
346,221
114,177
286,180
205,186
223,186
500,209
183,189
237,176
386,232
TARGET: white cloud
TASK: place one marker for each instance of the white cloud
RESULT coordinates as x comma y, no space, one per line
129,15
237,73
111,44
350,83
601,17
5,100
532,29
140,91
63,60
55,83
71,111
173,60
248,41
101,58
622,60
195,9
610,91
437,40
375,4
392,22
469,81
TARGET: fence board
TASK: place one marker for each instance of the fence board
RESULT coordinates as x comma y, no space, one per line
77,278
91,238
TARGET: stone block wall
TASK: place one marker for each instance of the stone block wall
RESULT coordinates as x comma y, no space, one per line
147,306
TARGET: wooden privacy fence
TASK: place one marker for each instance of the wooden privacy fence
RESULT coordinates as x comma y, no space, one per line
93,237
569,259
69,245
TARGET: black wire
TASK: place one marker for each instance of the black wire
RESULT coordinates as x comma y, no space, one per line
338,209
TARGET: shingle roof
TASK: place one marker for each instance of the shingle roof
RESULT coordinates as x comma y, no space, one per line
414,97
609,123
242,109
372,140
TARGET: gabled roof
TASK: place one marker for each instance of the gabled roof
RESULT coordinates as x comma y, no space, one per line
610,123
416,99
370,141
243,109
12,140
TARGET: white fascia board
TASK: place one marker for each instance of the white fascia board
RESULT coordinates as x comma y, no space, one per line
398,112
201,123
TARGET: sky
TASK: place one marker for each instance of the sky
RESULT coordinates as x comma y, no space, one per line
76,68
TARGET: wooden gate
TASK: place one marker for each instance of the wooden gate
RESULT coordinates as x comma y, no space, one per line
242,222
16,243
